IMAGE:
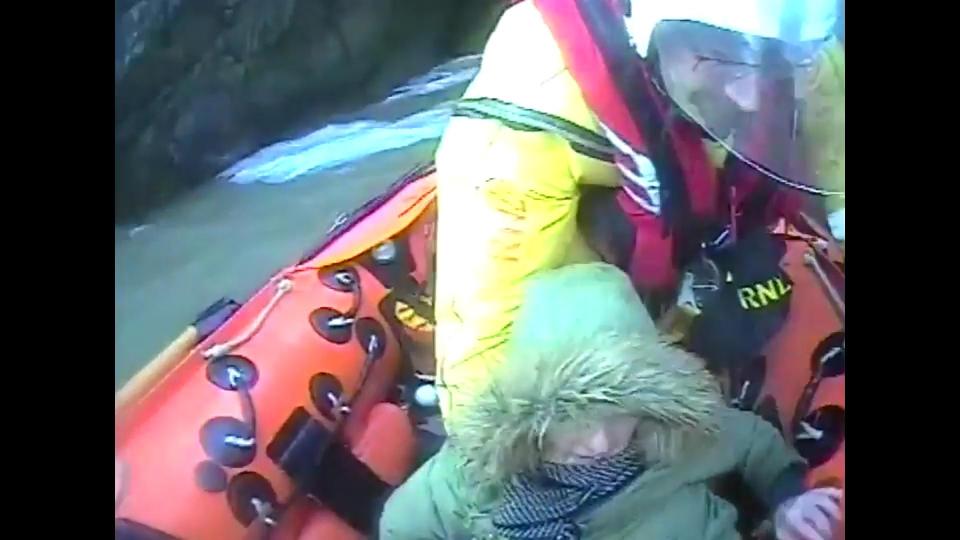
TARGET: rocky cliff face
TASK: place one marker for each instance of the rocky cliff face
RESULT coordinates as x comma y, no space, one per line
201,84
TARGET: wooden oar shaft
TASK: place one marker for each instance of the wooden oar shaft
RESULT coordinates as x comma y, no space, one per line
159,367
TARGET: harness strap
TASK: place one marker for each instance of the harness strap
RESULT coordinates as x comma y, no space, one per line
581,140
326,470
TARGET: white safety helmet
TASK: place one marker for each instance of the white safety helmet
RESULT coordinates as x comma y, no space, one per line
749,72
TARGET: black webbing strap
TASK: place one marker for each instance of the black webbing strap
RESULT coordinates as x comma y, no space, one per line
326,470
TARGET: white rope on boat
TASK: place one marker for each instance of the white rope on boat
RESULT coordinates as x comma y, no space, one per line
264,511
240,442
234,375
809,433
217,350
827,357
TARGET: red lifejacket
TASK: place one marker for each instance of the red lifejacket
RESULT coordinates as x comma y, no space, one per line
618,88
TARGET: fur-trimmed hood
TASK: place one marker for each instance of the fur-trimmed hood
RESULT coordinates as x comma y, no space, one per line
583,347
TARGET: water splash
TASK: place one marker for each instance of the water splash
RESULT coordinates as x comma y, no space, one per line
457,71
336,145
343,143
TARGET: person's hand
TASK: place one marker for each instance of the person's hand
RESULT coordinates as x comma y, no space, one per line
810,516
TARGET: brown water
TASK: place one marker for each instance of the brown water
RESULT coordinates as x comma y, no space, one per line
226,240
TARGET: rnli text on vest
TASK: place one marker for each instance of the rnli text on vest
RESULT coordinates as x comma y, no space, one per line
761,294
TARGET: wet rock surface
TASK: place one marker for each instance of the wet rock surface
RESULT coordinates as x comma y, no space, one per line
199,85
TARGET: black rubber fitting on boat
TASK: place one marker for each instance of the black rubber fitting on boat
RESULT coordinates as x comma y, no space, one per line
243,489
332,325
228,441
212,318
210,477
341,279
323,387
372,337
829,425
230,372
831,353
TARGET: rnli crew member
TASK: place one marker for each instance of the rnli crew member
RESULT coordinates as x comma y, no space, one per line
708,118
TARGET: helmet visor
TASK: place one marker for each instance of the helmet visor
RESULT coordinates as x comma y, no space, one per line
775,104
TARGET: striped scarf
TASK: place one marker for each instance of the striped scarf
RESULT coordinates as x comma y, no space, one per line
545,505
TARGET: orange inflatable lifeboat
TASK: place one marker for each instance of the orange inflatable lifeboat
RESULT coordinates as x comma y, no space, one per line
284,419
